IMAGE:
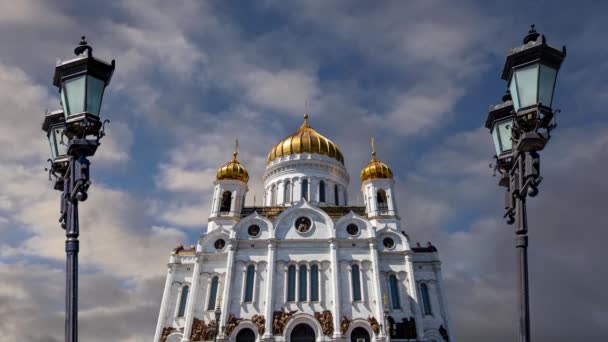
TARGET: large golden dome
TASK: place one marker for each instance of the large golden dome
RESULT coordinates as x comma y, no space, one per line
233,170
376,169
305,140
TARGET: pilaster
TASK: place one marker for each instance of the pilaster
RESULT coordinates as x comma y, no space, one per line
379,312
192,299
409,263
269,290
164,302
226,294
335,269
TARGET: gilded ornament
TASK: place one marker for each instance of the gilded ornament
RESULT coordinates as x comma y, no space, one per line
279,321
166,332
233,169
345,324
373,322
376,169
260,322
232,323
305,140
326,320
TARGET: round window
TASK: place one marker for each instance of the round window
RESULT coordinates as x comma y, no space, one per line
253,230
388,243
219,244
352,229
303,224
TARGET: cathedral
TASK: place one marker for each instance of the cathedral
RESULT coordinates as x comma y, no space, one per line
305,265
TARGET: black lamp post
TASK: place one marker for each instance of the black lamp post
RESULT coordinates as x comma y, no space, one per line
521,126
385,311
218,314
74,133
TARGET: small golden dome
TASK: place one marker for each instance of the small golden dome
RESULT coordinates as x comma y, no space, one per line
305,140
233,170
376,169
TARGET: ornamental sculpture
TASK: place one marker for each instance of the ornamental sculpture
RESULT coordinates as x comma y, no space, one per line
279,321
166,332
373,322
444,333
199,330
260,322
326,320
410,327
344,324
231,323
211,330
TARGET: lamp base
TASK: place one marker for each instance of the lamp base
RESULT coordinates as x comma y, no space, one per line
82,147
531,141
82,125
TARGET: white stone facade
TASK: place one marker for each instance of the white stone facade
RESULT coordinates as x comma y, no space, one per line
253,267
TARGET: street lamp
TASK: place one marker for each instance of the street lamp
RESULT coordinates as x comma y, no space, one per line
387,327
54,126
218,314
520,127
74,133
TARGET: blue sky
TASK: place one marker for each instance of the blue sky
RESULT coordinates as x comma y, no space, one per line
192,76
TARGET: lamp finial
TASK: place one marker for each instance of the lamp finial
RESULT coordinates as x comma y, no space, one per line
83,46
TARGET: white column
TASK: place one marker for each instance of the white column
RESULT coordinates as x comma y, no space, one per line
227,284
297,190
379,312
335,269
341,197
280,193
269,289
409,264
233,202
444,303
297,299
192,299
314,190
164,302
391,201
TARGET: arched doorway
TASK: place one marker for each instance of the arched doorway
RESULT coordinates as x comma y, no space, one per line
245,335
302,333
359,335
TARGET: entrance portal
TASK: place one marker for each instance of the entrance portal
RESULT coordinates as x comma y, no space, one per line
359,335
302,333
245,335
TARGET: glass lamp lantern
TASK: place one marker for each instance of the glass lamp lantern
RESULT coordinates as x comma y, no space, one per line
531,70
81,82
54,126
500,122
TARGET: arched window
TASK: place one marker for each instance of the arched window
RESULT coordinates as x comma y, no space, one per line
249,283
226,202
183,300
273,195
322,191
305,189
382,202
303,283
336,194
394,285
426,301
287,194
356,282
213,293
291,283
314,283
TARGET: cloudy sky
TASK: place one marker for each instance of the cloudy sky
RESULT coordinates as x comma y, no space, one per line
192,76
